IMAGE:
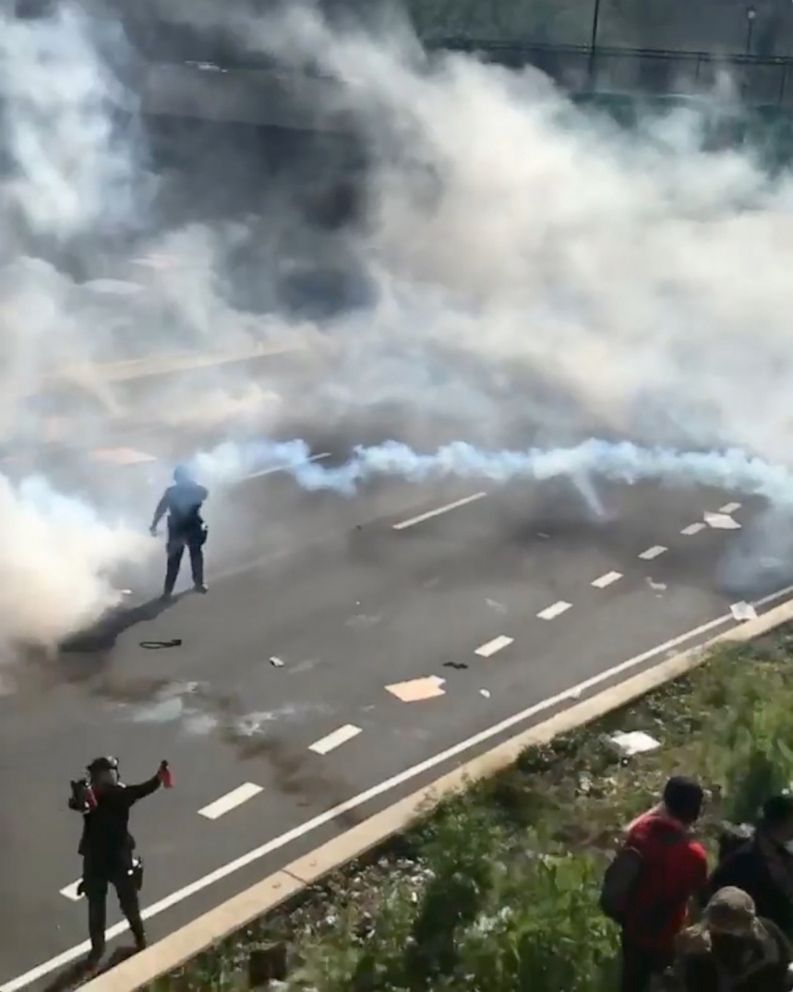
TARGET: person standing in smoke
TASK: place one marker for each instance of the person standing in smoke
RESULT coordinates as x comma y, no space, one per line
182,501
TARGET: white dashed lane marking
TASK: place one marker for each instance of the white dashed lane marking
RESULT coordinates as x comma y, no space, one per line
404,524
336,739
606,580
494,646
555,610
70,891
654,552
730,508
275,469
693,529
122,456
230,801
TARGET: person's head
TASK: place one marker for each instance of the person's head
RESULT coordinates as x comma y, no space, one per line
103,771
731,837
730,919
683,798
181,474
777,818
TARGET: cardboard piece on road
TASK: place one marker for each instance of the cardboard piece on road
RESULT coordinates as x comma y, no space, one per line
417,690
721,521
635,742
121,456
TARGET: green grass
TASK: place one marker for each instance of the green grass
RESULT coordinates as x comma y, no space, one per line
496,890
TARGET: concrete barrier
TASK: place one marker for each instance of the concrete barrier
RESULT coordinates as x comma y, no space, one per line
214,926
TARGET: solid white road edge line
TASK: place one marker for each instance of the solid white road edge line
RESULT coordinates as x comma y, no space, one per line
404,524
492,647
606,580
230,801
283,468
573,693
336,739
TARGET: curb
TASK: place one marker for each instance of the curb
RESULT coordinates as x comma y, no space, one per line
236,913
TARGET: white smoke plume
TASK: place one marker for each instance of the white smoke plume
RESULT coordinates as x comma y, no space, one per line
530,268
644,274
56,560
625,462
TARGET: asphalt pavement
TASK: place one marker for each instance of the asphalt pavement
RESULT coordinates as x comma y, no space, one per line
349,649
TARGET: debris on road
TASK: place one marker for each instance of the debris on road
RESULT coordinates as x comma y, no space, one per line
657,587
417,690
485,693
495,605
276,662
721,521
743,611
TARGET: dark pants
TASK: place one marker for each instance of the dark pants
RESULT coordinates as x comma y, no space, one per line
96,894
194,540
640,966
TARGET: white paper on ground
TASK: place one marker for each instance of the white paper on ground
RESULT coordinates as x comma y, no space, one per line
743,611
635,742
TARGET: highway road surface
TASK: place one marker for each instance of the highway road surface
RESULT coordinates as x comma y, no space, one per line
349,650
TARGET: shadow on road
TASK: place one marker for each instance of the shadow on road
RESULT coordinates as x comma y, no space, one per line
78,974
102,635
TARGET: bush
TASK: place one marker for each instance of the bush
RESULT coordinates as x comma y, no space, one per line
549,934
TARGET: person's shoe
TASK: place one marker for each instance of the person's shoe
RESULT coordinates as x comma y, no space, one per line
141,944
91,965
200,587
166,597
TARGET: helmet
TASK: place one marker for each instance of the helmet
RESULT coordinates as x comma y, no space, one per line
104,764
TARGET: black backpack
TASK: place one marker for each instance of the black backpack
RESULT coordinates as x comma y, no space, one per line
621,879
619,883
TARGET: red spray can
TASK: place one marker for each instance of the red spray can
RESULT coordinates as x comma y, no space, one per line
166,775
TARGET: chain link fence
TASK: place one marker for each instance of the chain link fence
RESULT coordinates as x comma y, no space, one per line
761,27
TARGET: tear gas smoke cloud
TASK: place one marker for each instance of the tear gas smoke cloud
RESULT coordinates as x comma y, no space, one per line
72,173
55,557
644,274
731,470
516,251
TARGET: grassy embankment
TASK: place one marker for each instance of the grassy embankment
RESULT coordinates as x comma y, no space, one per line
496,890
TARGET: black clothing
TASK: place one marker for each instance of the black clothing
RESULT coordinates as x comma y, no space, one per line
640,966
748,869
96,894
183,502
176,548
106,844
106,847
